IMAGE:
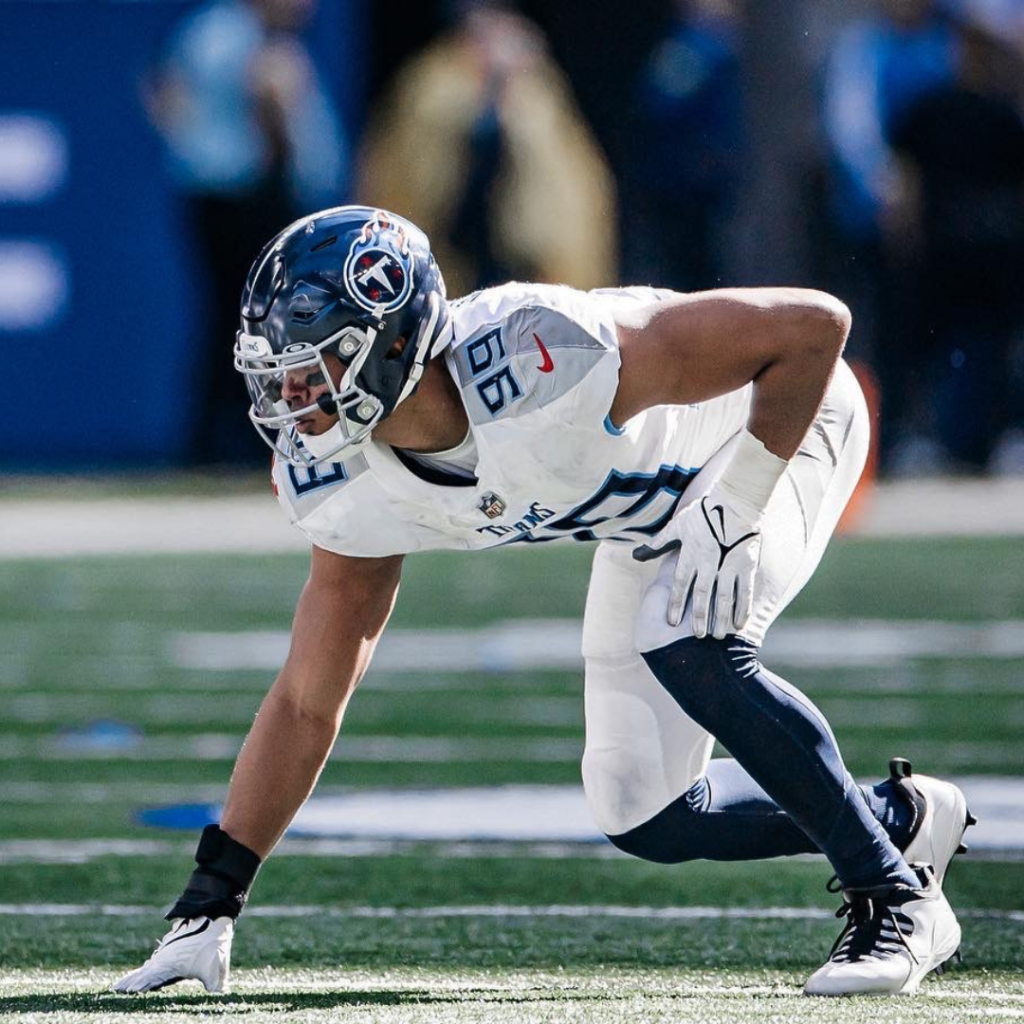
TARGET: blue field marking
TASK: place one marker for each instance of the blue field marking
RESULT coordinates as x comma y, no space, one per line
185,816
106,735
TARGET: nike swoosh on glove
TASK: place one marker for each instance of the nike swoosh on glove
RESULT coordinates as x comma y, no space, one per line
718,540
197,948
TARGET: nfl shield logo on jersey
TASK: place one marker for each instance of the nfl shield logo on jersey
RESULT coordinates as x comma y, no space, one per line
491,505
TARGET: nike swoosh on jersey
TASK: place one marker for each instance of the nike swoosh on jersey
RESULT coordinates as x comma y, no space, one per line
549,364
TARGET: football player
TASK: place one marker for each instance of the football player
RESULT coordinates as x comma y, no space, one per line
706,442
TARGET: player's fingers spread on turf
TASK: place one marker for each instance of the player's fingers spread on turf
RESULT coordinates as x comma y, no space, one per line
127,983
134,982
147,979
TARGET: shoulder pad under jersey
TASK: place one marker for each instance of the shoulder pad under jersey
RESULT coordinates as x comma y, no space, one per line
520,348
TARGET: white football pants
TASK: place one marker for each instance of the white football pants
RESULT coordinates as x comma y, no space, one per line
642,752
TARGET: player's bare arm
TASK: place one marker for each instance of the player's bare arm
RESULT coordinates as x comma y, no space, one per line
693,348
701,345
340,615
342,612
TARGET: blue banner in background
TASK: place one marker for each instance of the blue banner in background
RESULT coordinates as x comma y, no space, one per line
99,306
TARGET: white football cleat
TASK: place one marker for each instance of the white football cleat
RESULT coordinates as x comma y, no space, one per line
942,817
892,939
198,948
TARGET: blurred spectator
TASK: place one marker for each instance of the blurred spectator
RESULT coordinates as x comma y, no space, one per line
689,147
962,401
254,142
480,142
875,70
1003,19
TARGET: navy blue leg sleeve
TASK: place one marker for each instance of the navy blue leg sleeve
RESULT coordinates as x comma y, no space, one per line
785,745
724,815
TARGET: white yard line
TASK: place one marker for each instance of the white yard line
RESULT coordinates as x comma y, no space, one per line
560,813
60,527
538,644
215,746
674,913
84,851
97,742
511,645
94,742
555,815
522,707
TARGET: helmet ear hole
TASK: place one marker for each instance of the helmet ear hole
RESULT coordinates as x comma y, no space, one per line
397,348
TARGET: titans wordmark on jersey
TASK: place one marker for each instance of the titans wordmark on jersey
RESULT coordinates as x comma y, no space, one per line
537,368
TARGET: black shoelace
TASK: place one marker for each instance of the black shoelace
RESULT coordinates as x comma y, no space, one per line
874,929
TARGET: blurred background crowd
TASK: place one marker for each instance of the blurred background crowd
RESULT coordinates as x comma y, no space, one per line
874,148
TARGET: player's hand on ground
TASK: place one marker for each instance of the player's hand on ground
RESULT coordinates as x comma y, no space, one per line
197,948
717,541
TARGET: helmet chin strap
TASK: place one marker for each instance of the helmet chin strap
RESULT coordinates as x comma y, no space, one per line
428,346
328,444
323,444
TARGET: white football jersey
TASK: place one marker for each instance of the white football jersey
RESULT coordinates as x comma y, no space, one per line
537,367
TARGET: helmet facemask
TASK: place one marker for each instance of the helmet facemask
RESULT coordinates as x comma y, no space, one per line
276,421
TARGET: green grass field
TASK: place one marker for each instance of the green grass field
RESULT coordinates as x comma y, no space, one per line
427,931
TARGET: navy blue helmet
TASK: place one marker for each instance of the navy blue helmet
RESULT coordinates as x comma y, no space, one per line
347,282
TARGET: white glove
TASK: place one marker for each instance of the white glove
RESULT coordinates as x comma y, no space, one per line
718,540
198,948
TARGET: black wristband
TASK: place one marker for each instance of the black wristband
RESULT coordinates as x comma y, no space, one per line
219,886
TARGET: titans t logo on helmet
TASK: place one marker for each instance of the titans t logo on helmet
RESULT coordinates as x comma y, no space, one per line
379,267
